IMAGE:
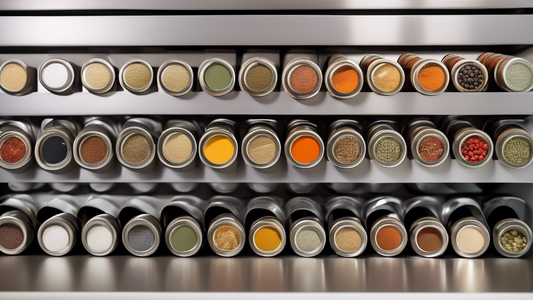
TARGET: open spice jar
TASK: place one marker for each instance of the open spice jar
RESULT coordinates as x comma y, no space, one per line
344,78
258,76
301,78
17,78
16,139
218,146
513,144
261,148
53,148
93,147
427,76
347,235
346,147
467,75
470,146
264,219
384,76
303,147
216,77
176,147
225,234
175,77
511,74
136,146
307,235
428,145
98,76
386,146
136,76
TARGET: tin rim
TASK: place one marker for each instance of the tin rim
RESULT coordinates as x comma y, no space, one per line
462,137
163,139
419,66
332,141
162,70
507,63
455,72
64,220
505,137
27,156
70,71
124,136
420,136
53,132
78,142
27,233
107,222
230,220
201,79
428,222
386,133
374,65
472,223
271,223
149,222
337,62
348,222
388,222
216,132
123,83
309,224
247,66
293,137
28,79
511,224
252,135
84,76
185,221
287,72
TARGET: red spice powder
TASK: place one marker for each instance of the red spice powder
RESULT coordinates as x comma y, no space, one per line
474,149
13,150
431,149
389,238
304,79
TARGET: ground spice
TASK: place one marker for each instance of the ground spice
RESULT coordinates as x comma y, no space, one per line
305,149
219,149
430,149
517,150
267,239
137,76
178,148
259,78
513,241
348,239
431,78
470,239
136,149
304,79
474,149
262,150
13,150
429,239
176,78
97,76
389,238
345,79
226,238
388,150
11,237
347,149
518,77
93,150
307,240
13,77
386,77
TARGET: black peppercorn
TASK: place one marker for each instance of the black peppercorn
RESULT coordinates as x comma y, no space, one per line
470,77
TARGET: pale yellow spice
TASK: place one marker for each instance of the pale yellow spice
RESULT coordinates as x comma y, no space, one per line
13,77
226,238
348,239
176,78
386,77
262,150
97,76
178,148
137,76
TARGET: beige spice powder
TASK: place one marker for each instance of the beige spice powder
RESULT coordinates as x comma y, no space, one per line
136,149
348,239
178,148
176,78
137,76
97,76
226,238
13,77
386,77
262,150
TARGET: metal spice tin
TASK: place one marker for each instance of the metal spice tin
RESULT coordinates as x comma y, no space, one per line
265,211
23,131
247,66
30,78
201,76
70,75
305,214
413,64
64,129
176,127
149,129
261,128
385,129
503,130
454,63
458,131
416,131
287,73
109,67
222,127
370,63
100,127
299,128
122,80
336,62
498,64
224,211
169,91
20,211
340,129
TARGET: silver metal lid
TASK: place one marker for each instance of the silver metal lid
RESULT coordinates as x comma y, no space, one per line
388,221
376,64
29,80
109,67
201,76
70,75
69,223
122,80
354,224
335,136
247,66
81,138
256,132
287,73
454,72
381,131
21,221
308,223
161,73
218,131
419,135
503,227
4,135
184,221
422,64
428,222
163,140
335,63
461,136
469,222
500,73
53,132
276,225
297,129
149,222
109,223
227,219
505,137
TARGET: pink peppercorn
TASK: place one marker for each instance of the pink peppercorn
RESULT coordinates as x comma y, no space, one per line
474,149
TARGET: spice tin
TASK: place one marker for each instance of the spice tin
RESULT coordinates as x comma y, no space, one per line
109,67
265,212
261,128
51,128
183,187
177,128
122,74
225,213
249,65
371,63
59,214
65,187
385,212
301,188
335,63
149,129
184,212
415,132
262,187
68,86
223,188
163,69
30,78
501,72
24,186
24,131
380,130
224,128
100,212
505,214
421,214
345,129
298,129
288,72
458,131
202,73
20,211
455,62
344,212
502,131
414,64
305,216
465,213
102,128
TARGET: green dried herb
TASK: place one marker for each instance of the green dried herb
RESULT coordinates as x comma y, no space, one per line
513,241
388,150
517,150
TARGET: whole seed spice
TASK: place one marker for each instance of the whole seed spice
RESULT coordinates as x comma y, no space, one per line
307,240
259,78
518,77
386,77
93,150
178,148
348,239
136,149
474,149
303,80
513,241
517,150
388,150
262,150
13,77
226,238
176,78
345,79
470,77
11,237
431,78
347,149
430,149
12,150
137,76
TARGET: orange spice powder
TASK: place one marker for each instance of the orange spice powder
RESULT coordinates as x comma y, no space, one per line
345,79
389,238
305,149
431,78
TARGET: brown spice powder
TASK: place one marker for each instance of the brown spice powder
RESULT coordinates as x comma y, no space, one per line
136,149
348,239
304,79
13,77
262,150
226,238
93,150
259,78
347,150
386,77
11,237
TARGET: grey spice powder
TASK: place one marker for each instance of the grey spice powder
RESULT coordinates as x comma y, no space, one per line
136,149
388,150
347,149
518,77
141,238
307,240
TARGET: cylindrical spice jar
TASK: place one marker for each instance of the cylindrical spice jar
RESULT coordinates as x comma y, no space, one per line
16,144
386,146
384,219
139,217
346,147
344,78
17,78
218,145
101,232
225,234
470,146
136,76
175,77
264,219
511,74
305,221
301,78
53,148
384,76
93,147
258,76
18,223
261,148
347,235
303,147
467,227
467,75
263,187
57,75
216,77
505,215
428,76
428,235
136,143
98,76
176,147
428,146
183,220
59,229
513,144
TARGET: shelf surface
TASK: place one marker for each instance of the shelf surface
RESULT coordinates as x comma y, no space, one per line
274,30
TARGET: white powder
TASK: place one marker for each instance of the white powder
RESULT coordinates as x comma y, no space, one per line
55,75
470,239
99,239
55,238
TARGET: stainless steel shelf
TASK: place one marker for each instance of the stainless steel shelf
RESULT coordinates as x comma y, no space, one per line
278,103
275,30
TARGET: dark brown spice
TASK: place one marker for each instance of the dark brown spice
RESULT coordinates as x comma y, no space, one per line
304,79
93,150
430,149
11,237
347,150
